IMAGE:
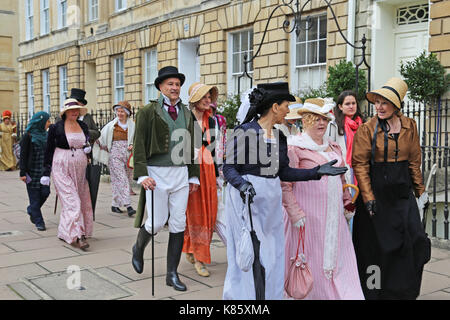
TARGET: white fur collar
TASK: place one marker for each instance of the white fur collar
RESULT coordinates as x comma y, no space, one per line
304,141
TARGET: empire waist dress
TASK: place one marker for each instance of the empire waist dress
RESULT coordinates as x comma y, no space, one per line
69,177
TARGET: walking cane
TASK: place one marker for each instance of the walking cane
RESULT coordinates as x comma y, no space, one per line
56,204
153,244
425,209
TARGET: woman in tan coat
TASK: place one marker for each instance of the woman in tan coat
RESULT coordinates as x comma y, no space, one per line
390,243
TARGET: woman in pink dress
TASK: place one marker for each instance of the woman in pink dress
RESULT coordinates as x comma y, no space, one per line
66,158
318,205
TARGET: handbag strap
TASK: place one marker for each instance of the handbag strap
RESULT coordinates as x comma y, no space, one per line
301,238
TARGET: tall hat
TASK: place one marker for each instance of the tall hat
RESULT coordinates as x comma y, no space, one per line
72,104
6,114
293,109
166,73
318,106
198,90
78,94
124,105
394,91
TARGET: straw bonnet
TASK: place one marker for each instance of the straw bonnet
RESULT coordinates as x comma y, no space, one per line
394,91
72,104
293,109
318,106
6,114
124,105
198,90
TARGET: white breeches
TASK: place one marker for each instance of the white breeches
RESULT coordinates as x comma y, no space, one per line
171,197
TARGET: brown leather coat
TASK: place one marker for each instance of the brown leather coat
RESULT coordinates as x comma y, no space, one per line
409,149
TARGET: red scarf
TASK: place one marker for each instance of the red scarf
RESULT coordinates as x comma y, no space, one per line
350,128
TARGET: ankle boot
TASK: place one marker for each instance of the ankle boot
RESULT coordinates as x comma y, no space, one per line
173,259
143,238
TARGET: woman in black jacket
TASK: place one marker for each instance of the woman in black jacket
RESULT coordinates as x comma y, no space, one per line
66,158
31,163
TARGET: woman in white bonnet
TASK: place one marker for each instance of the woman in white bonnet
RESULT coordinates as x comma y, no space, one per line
113,149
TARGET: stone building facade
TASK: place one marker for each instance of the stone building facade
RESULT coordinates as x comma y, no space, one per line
113,48
9,67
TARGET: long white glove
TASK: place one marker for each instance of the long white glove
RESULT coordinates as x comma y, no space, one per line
45,181
422,201
300,223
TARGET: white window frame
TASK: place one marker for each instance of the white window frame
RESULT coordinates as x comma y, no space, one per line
63,90
150,73
62,13
121,7
92,10
46,90
29,19
232,75
30,93
45,17
119,79
295,69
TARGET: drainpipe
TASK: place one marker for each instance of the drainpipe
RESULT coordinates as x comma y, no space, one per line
351,29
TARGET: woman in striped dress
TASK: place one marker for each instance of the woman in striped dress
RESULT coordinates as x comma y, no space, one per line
319,207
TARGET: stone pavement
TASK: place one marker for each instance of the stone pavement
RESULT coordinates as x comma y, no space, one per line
37,265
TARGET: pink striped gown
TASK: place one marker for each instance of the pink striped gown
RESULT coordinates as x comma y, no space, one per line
309,198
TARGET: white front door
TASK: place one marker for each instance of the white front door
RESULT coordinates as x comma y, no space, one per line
408,46
188,64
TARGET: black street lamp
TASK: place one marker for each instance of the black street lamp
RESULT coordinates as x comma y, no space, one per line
297,11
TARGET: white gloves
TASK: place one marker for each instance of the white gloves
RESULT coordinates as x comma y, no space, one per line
300,223
422,201
349,214
87,149
45,181
219,183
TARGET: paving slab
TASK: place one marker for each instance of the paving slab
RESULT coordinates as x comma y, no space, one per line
143,288
24,291
18,258
89,286
92,260
432,282
6,293
14,274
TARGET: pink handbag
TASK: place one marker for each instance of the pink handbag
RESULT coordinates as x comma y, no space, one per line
299,280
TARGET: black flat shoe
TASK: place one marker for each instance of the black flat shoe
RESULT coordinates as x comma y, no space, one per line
131,211
41,227
116,210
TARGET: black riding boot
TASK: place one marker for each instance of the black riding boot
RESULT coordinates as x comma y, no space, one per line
174,249
143,238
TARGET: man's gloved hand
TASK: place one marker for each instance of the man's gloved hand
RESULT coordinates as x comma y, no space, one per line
327,169
247,187
371,207
45,181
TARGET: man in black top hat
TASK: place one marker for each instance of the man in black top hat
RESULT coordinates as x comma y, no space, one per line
94,133
171,175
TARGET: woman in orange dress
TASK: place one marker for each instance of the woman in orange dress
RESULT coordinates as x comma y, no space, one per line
201,211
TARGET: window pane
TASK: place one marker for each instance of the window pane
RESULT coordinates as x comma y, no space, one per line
236,39
322,51
312,52
236,63
313,32
323,27
301,54
244,41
